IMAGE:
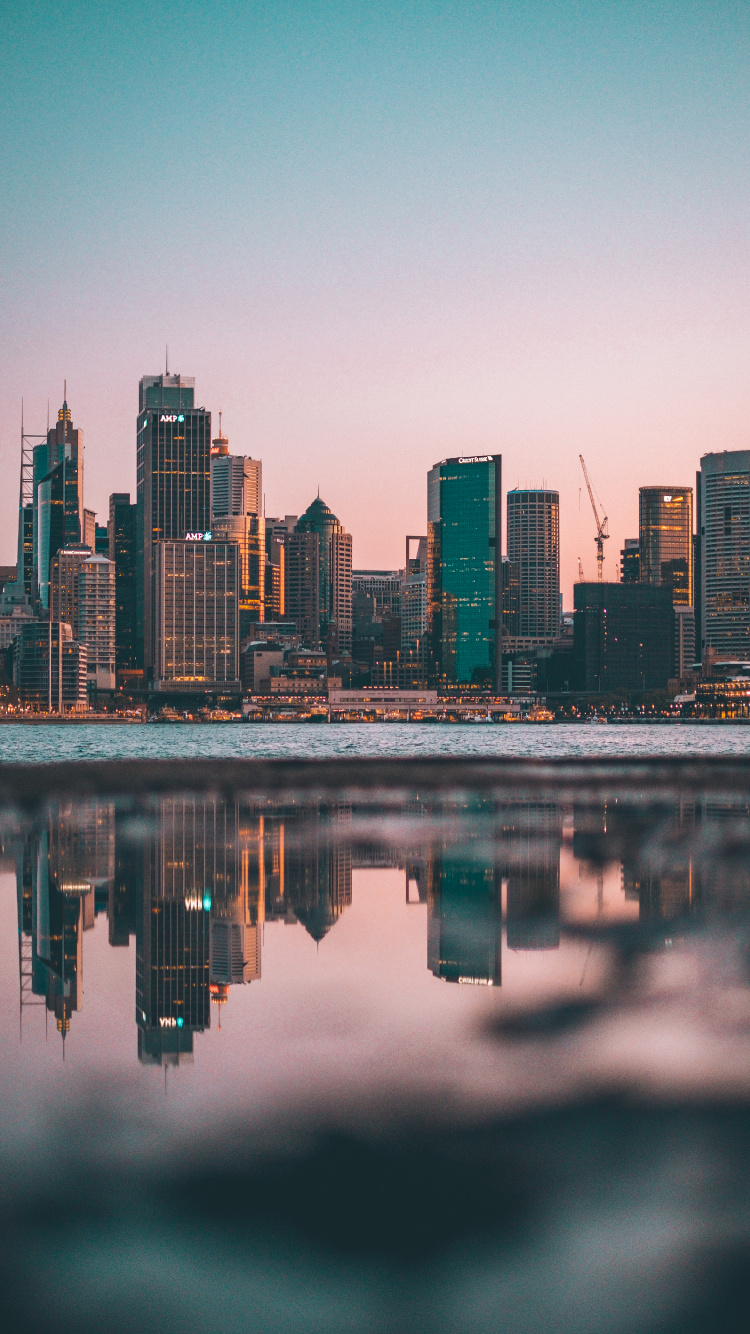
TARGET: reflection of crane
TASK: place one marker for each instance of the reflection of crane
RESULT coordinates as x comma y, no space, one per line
601,524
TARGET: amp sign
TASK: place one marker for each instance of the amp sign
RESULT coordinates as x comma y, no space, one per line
198,537
172,417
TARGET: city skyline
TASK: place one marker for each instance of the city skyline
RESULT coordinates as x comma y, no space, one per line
417,235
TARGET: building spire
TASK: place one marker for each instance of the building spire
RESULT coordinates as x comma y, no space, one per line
166,360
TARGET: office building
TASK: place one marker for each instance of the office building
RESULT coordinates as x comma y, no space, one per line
630,561
39,645
383,587
464,588
63,587
89,529
95,620
624,637
665,540
174,486
414,599
236,482
302,585
247,533
724,535
59,496
196,618
334,577
121,531
511,576
534,545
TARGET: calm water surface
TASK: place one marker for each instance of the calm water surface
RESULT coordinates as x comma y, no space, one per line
417,1064
47,742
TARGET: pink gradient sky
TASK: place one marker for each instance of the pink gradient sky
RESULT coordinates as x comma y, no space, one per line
380,239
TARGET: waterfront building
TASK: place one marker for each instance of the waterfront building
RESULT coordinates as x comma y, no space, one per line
414,600
196,618
121,533
174,487
464,589
534,546
624,637
256,660
630,561
59,496
302,585
334,577
724,535
63,599
665,540
95,620
49,666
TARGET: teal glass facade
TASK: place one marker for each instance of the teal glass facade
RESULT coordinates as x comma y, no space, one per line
464,569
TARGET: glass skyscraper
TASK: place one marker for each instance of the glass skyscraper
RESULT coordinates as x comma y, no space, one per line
665,540
174,485
464,580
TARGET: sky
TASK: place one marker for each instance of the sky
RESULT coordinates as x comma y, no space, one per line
379,235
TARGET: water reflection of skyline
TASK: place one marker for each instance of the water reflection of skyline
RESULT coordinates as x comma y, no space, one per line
192,882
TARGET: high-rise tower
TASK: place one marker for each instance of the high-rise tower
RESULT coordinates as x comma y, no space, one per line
334,576
534,545
665,540
59,495
464,577
174,485
724,536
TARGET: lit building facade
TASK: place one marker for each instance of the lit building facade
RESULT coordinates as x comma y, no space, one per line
665,540
59,495
196,617
464,578
334,577
724,535
630,561
95,620
174,486
534,546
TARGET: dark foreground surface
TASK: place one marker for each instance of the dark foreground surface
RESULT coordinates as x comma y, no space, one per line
391,1046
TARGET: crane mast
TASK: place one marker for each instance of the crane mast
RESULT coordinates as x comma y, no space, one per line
601,523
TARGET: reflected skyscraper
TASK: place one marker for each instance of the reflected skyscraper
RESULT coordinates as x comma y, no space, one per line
531,841
185,863
464,930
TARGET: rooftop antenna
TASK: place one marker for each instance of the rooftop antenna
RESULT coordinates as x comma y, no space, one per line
166,360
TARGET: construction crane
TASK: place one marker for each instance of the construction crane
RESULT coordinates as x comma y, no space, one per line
601,524
581,575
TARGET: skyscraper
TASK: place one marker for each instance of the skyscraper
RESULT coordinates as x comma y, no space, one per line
196,587
236,491
665,540
464,588
174,485
59,495
724,532
534,545
121,550
302,585
334,577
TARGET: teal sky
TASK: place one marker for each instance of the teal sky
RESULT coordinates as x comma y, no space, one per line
380,234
